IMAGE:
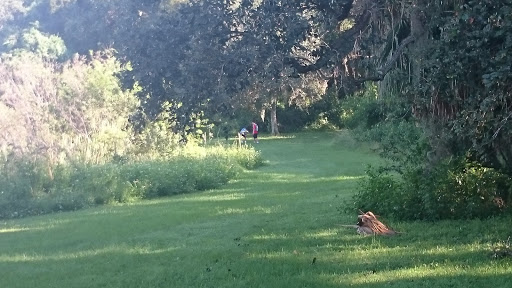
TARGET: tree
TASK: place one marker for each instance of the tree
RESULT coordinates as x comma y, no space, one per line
10,9
470,83
265,35
448,60
196,54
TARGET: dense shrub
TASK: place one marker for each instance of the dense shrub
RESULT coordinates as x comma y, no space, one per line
292,119
326,113
26,187
467,188
403,142
453,189
411,186
422,179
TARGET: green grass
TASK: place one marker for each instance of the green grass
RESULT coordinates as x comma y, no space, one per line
262,230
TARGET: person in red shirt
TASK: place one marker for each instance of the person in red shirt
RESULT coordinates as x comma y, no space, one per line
255,132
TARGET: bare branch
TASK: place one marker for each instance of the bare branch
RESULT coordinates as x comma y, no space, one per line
342,46
384,69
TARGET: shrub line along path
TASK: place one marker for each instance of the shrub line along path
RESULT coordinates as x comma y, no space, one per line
276,226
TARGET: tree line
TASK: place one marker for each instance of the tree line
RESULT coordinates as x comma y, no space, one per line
431,73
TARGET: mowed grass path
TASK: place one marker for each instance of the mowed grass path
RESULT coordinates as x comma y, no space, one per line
276,226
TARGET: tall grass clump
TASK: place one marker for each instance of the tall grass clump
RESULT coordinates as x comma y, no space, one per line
27,188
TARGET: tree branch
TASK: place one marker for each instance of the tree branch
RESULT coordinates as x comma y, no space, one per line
417,30
341,46
384,69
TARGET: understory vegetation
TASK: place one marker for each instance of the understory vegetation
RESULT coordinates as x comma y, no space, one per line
412,185
27,189
73,137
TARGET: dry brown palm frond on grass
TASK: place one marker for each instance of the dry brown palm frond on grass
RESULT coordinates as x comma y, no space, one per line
368,224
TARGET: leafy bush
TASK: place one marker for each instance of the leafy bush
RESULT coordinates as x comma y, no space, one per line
403,142
64,112
422,180
363,110
457,189
27,188
467,188
246,157
378,192
292,119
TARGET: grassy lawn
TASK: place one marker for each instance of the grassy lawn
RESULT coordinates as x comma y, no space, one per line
277,226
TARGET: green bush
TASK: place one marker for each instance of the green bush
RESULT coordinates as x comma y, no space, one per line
457,189
246,157
27,188
21,181
292,119
100,184
363,110
403,142
462,187
412,186
377,192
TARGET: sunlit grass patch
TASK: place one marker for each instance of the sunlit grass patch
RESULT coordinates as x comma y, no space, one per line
17,229
326,233
449,273
113,249
258,209
62,256
211,198
270,236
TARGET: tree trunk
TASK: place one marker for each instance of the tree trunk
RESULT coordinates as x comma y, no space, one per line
417,48
273,117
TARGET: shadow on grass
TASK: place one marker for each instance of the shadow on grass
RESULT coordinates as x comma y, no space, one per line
257,259
350,264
